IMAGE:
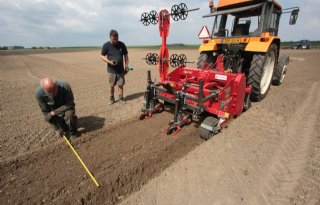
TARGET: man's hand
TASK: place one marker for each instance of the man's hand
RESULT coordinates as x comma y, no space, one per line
108,61
113,62
49,116
126,69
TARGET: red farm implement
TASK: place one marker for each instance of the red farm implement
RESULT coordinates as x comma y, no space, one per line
211,90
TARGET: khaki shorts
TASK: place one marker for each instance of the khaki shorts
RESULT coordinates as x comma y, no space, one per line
116,79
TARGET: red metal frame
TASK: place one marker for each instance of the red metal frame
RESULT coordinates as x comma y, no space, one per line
164,27
231,87
210,89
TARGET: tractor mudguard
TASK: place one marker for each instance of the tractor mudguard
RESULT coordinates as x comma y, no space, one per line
209,45
260,44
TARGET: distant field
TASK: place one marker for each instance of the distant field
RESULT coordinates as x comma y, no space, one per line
284,45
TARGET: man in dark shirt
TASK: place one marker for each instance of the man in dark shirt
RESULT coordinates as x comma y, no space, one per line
56,101
114,52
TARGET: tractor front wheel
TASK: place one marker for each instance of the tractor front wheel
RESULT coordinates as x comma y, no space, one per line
281,70
261,72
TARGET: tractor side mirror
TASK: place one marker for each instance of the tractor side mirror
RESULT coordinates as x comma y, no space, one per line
294,17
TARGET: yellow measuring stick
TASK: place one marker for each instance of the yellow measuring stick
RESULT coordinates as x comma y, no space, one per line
85,167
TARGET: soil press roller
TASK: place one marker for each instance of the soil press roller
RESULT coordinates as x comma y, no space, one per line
238,62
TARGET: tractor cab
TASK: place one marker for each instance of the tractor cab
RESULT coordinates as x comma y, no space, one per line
247,18
244,39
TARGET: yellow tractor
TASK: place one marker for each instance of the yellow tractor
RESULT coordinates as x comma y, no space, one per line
244,39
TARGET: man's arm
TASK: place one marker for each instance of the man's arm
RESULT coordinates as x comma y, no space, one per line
126,57
105,59
126,61
103,55
43,106
69,99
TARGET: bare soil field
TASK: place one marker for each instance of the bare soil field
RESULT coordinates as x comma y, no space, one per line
268,155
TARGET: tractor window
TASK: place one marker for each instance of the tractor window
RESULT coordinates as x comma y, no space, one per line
246,26
220,26
230,25
274,24
241,27
223,25
254,28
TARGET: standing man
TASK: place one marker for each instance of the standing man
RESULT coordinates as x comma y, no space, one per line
114,52
56,102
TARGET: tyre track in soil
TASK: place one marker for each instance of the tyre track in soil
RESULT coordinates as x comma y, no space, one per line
288,165
118,159
308,190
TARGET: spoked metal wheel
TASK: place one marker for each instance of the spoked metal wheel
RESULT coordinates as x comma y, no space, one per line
183,11
182,59
175,12
145,19
155,59
153,17
174,60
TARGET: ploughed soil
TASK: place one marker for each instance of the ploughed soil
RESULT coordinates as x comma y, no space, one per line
268,155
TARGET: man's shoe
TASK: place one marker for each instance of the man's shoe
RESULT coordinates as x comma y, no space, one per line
73,137
122,100
111,101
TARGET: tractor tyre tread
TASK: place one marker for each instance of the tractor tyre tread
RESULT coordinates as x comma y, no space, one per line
203,58
256,71
277,76
255,74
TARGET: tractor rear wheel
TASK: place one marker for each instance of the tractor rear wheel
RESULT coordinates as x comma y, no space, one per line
207,124
281,70
261,72
206,59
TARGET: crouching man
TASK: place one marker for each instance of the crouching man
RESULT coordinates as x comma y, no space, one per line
56,102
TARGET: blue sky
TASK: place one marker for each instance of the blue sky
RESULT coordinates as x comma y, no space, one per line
87,23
